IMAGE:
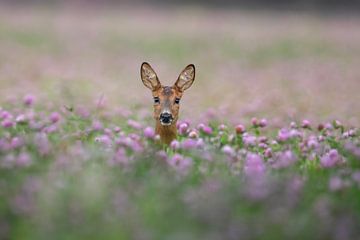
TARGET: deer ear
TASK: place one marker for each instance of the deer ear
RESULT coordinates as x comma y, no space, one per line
186,78
149,77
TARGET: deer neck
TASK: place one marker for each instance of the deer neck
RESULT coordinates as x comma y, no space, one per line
167,133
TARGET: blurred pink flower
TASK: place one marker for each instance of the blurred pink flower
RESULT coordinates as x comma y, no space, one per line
306,124
55,117
119,158
312,142
36,125
337,124
23,160
335,184
42,143
283,135
353,148
180,163
207,156
330,159
83,112
284,159
117,129
249,140
200,126
193,134
328,126
229,151
16,142
97,125
134,124
255,122
175,145
222,127
263,122
4,145
240,129
157,137
149,133
321,138
8,161
21,118
129,142
200,143
50,129
108,132
104,139
268,153
207,130
293,125
356,177
135,137
7,123
29,99
254,165
189,144
183,128
5,114
162,155
262,145
349,133
263,139
296,184
295,133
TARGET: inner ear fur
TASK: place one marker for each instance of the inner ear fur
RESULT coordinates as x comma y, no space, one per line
186,78
149,77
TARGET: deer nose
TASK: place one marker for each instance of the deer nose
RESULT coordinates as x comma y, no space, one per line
166,118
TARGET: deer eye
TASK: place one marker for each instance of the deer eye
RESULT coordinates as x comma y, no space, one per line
156,100
177,100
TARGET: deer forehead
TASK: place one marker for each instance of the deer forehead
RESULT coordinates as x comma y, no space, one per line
167,92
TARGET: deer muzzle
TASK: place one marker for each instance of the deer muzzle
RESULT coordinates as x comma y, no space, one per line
166,118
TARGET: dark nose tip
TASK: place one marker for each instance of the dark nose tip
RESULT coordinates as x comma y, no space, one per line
166,117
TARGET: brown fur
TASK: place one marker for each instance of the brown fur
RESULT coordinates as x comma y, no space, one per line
167,96
167,133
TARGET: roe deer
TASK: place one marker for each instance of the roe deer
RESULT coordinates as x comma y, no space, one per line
166,99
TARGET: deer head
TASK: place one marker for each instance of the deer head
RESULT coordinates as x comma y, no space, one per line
166,99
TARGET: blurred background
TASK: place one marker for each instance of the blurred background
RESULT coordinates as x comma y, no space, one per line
276,59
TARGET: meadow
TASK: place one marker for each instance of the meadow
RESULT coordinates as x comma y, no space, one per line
268,144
